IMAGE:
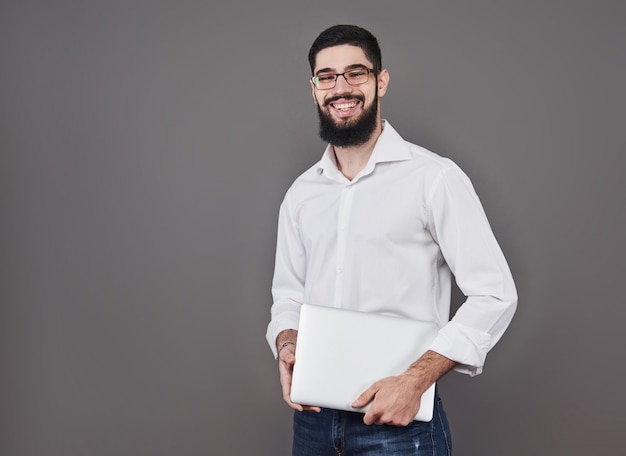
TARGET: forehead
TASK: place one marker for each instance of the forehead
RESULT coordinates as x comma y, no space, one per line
339,58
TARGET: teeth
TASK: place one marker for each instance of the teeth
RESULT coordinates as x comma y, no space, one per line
345,106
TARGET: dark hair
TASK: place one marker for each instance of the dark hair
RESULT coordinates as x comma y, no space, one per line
347,34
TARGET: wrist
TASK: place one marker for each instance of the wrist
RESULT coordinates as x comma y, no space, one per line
285,338
429,368
285,344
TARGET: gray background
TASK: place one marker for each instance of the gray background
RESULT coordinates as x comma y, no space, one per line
145,149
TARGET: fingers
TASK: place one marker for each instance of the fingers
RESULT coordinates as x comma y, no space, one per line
370,418
285,368
376,415
366,396
286,387
390,403
311,408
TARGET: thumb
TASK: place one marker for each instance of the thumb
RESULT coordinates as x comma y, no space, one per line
287,356
365,397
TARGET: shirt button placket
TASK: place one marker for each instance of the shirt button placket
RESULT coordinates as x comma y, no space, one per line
345,207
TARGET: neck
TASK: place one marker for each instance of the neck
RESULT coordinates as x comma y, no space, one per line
352,160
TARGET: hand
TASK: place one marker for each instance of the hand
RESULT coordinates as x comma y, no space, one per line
395,400
286,360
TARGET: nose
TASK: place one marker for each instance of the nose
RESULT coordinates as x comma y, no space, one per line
341,85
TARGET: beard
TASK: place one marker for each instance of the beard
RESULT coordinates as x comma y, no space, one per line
349,132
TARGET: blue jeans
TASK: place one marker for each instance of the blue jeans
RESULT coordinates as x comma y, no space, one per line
333,433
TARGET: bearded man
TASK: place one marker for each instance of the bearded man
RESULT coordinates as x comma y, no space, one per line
382,225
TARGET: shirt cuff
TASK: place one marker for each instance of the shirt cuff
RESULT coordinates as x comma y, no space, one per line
276,326
464,345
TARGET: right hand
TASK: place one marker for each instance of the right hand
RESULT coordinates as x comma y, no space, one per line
286,360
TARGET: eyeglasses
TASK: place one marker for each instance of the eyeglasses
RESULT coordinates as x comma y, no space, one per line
353,77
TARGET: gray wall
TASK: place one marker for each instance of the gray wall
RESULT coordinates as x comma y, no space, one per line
145,149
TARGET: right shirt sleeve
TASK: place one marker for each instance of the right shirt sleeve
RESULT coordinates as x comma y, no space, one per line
289,275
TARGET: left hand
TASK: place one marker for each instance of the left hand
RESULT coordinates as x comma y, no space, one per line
395,400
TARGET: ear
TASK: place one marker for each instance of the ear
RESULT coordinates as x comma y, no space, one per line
383,82
313,91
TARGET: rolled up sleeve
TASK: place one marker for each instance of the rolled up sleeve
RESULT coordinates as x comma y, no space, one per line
459,225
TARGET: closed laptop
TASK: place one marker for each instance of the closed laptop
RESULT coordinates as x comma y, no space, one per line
341,352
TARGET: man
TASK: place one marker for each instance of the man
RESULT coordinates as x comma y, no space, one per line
380,225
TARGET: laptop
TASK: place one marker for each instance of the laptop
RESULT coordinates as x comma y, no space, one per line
341,352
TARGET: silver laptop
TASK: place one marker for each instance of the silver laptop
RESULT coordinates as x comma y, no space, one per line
340,353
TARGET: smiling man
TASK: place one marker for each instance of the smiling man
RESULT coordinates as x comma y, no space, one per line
348,106
381,225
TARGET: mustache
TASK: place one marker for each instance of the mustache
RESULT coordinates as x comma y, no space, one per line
344,97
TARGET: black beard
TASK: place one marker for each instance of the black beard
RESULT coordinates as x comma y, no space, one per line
350,133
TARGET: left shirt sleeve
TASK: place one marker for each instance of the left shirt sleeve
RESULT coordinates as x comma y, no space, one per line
459,225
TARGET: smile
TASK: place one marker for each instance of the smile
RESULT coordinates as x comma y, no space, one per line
344,106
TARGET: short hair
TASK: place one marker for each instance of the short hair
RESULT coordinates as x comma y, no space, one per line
347,34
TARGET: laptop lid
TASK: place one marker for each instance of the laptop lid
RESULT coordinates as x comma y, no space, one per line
341,352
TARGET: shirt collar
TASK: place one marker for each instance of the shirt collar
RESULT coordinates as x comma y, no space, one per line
389,147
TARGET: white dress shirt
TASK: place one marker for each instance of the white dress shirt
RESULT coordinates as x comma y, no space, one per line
388,242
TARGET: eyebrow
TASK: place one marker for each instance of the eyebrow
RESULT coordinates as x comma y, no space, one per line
354,66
